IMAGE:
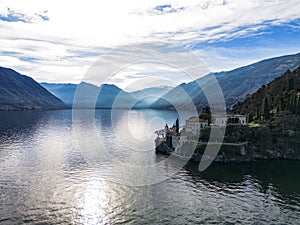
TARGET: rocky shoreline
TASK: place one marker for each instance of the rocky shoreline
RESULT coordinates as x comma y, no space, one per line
251,154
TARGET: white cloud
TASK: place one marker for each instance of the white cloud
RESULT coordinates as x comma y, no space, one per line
10,61
66,45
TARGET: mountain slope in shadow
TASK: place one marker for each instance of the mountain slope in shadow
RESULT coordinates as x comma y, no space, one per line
20,92
235,84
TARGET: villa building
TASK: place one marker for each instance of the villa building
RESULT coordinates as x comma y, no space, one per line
230,120
192,128
195,125
174,138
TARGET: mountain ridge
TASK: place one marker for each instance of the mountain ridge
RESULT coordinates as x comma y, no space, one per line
235,84
109,95
280,95
21,92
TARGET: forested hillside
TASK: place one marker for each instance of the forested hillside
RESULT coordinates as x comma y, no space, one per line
281,95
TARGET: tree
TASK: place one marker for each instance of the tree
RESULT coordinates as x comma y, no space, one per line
291,84
298,105
264,136
177,125
206,114
250,117
206,110
266,109
287,75
282,104
293,103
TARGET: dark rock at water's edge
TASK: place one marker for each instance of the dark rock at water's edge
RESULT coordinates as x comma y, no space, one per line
250,152
19,93
164,148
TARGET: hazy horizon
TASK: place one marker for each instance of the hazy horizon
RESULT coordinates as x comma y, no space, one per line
55,45
169,84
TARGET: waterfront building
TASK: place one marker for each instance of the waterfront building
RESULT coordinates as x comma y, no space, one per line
230,120
195,125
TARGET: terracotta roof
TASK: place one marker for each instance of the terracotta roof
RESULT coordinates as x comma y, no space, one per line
196,120
185,133
173,133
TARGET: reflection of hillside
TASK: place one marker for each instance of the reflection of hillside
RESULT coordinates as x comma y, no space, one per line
279,176
15,123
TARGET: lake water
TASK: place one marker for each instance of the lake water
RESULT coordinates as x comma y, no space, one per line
55,169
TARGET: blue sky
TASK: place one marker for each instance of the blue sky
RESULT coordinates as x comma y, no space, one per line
52,44
272,40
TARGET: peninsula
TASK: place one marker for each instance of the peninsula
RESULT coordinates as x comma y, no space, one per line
266,125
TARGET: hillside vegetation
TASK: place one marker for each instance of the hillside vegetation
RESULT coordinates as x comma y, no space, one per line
281,96
276,108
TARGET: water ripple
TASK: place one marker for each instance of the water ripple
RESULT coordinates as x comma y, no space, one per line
44,179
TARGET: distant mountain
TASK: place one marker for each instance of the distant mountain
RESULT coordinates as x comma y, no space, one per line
106,98
155,91
147,96
235,84
20,92
63,91
183,96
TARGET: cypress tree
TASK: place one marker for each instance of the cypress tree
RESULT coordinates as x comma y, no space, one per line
266,109
291,84
290,105
298,105
294,104
250,118
282,105
177,125
287,80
